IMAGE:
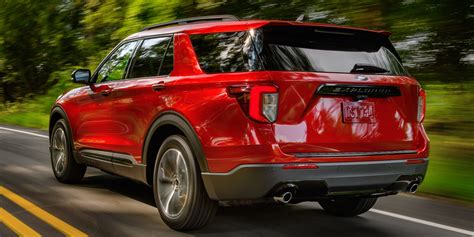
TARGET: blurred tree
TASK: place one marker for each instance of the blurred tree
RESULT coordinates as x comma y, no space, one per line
40,37
37,38
101,19
42,41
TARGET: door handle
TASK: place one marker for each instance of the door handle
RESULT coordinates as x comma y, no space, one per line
106,92
158,86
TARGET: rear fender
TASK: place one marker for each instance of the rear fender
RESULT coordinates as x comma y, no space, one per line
177,120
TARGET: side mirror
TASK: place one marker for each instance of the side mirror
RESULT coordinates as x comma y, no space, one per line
81,76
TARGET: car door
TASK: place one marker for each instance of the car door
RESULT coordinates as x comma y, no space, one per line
141,96
97,126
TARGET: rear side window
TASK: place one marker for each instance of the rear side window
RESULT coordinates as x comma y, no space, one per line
149,58
223,52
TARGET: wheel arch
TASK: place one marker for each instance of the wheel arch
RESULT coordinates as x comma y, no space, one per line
167,124
57,113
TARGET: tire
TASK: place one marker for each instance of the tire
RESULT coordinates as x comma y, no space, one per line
65,167
347,206
180,196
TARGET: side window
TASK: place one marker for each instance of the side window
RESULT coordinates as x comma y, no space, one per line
223,52
116,65
149,57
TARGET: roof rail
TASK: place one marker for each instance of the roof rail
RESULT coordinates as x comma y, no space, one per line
194,20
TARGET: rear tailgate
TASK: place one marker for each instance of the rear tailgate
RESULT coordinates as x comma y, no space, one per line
316,124
343,92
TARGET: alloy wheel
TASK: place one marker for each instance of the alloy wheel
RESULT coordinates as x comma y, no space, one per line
59,146
173,183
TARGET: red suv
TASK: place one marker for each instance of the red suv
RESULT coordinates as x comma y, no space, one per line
214,108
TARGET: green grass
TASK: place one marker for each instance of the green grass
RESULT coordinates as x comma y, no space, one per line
450,126
449,123
28,114
26,119
34,112
451,168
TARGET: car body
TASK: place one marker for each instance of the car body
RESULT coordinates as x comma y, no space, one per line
257,121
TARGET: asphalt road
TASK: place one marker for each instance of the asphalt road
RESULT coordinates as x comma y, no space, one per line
106,205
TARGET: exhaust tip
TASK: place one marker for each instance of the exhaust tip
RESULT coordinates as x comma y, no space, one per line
413,188
284,198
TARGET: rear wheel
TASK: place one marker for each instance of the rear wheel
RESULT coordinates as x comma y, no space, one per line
348,206
65,168
179,192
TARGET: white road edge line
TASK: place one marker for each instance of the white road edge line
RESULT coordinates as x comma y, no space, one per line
429,223
24,132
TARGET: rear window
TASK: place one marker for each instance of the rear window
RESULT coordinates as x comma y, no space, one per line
302,48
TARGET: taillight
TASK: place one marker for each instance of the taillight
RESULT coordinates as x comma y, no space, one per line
270,106
421,106
259,102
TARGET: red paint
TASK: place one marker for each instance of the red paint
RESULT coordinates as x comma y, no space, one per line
306,123
187,63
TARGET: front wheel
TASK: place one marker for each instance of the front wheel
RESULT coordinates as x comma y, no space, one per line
65,168
180,196
348,206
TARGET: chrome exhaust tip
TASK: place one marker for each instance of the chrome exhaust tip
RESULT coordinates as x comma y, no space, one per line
412,188
284,197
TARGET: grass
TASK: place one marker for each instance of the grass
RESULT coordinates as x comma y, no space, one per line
451,168
449,123
26,119
34,112
450,126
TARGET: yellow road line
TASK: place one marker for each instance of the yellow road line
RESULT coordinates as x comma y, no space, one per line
16,225
41,214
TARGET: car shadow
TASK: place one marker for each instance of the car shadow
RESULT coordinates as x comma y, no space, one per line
305,219
126,187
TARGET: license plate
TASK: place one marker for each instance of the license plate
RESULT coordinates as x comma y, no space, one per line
358,112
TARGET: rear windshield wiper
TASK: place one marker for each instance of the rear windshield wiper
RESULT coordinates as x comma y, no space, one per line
359,67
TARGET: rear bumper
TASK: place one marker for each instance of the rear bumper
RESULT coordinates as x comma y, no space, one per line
254,181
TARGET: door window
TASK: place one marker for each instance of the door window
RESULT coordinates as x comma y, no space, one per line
151,57
116,65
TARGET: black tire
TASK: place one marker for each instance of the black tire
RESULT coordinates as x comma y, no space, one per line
198,209
348,206
72,171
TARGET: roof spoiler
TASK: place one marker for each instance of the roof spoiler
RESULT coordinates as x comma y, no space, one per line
193,20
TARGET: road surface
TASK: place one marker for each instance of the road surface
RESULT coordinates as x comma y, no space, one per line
105,205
